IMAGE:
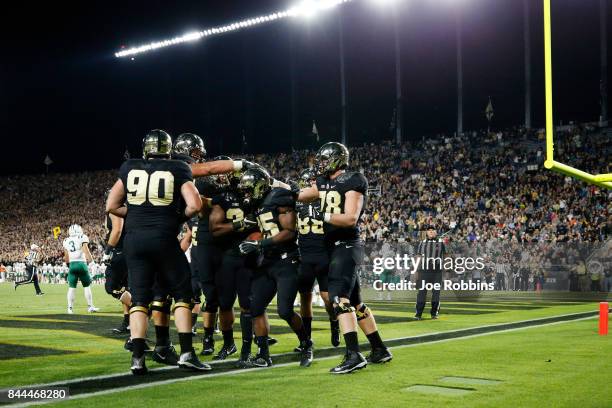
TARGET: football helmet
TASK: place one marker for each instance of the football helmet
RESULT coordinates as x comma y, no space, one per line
189,144
156,143
331,157
253,185
306,177
75,230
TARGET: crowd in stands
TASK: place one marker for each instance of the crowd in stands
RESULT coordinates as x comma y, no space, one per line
478,187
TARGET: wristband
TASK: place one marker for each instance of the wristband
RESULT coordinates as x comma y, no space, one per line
327,217
237,165
265,243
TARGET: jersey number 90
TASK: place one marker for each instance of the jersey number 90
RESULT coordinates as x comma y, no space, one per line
141,187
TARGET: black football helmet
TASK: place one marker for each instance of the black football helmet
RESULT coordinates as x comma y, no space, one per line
189,144
331,157
222,181
156,143
306,177
254,184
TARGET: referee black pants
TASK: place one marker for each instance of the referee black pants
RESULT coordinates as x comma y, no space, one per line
32,278
428,277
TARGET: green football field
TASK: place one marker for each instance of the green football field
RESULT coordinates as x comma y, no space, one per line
498,349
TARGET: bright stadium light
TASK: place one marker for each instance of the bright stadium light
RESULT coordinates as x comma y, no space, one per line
306,8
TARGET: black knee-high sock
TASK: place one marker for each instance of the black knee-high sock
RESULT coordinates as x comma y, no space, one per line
246,325
228,337
375,340
186,341
262,343
209,331
162,335
139,347
307,325
126,319
351,341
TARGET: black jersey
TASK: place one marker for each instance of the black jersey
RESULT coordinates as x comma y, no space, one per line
310,232
208,189
269,225
230,203
333,196
153,193
108,226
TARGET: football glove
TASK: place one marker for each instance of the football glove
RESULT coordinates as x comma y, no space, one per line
249,246
295,188
247,222
109,252
315,213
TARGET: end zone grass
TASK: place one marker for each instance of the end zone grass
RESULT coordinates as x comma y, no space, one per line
39,343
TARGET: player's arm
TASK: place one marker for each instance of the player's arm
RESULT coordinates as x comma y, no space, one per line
116,198
308,194
287,220
116,229
218,223
85,249
217,167
352,208
186,240
193,202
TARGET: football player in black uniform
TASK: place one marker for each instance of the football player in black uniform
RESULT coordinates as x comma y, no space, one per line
116,274
314,261
207,258
230,223
160,196
343,195
276,273
190,148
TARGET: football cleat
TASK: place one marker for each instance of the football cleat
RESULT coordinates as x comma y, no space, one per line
418,317
92,309
190,361
123,328
261,361
40,293
129,346
208,346
352,361
272,341
138,366
165,355
298,349
244,362
379,355
225,352
434,316
335,333
70,311
307,355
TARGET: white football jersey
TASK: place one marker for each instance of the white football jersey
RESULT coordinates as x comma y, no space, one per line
73,245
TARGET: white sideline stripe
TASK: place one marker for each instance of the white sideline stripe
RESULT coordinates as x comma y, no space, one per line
197,377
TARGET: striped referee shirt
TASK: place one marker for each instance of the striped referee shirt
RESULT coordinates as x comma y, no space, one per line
501,268
432,252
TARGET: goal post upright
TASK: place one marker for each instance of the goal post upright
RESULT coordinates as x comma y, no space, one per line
601,180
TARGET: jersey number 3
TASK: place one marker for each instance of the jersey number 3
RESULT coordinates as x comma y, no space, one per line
142,187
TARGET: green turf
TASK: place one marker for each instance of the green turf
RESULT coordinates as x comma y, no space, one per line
39,343
564,365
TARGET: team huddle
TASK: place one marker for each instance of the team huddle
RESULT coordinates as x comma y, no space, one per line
250,237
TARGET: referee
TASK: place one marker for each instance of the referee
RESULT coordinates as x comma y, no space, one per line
432,252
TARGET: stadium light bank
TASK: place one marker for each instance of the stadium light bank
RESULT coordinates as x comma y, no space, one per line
306,9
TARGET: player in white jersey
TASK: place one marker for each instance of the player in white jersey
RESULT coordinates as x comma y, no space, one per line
77,255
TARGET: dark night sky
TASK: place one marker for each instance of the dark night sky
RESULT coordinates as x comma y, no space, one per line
62,92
